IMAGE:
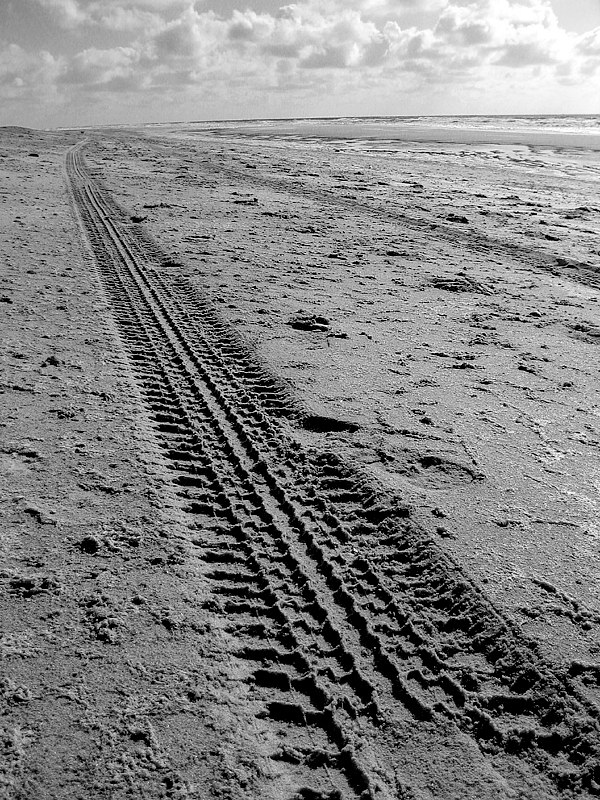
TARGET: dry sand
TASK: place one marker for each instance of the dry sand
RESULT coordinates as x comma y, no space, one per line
420,619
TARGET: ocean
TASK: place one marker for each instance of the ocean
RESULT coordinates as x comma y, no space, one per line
564,131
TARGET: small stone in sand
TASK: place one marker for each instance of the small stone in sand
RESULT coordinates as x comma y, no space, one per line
309,322
52,361
89,544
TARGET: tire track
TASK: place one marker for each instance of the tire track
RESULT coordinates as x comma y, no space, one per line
351,627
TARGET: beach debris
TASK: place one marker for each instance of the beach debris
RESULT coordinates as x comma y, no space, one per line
135,218
252,201
12,692
26,586
321,423
586,332
171,262
278,214
309,322
527,368
464,365
52,361
457,218
89,544
38,514
459,283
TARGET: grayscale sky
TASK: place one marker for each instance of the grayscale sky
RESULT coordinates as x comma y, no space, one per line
84,62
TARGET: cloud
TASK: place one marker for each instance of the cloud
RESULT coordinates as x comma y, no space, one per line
331,34
517,34
189,39
470,40
588,50
526,54
174,51
27,76
464,26
67,13
20,68
95,68
316,40
313,40
116,15
378,9
589,43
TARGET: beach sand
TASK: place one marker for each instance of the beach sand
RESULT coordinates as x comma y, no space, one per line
426,318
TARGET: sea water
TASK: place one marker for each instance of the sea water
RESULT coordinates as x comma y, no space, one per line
570,131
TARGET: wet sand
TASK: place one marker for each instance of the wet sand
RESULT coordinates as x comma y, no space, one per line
440,304
413,133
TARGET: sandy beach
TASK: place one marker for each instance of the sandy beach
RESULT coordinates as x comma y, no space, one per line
300,463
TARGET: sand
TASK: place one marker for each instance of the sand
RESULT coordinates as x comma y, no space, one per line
378,577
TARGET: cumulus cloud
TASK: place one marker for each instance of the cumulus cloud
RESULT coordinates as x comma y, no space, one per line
97,68
331,34
68,13
589,43
308,46
27,77
378,9
315,39
588,50
22,69
517,34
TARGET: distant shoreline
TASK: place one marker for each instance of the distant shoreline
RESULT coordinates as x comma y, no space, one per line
413,133
542,129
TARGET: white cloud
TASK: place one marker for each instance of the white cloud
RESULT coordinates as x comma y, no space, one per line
94,68
189,39
22,70
68,13
376,9
589,43
316,40
588,50
174,49
117,15
516,34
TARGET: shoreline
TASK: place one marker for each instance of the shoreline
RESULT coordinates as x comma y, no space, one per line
422,135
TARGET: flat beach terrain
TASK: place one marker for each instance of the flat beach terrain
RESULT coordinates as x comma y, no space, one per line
299,462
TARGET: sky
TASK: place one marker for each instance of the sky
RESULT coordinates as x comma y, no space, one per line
92,62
